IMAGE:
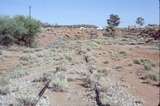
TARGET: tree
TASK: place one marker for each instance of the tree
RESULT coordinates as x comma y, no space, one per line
140,21
113,21
19,30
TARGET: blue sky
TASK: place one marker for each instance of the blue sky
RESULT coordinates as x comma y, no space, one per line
83,11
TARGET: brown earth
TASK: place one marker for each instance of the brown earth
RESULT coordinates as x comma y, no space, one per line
107,57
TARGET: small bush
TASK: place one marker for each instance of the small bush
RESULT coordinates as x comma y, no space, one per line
106,62
123,54
59,82
20,30
129,64
26,97
0,52
4,88
136,62
146,63
147,67
59,85
18,73
154,77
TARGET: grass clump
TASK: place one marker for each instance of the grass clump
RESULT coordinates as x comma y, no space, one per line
147,67
153,76
18,73
129,64
136,62
26,97
0,52
123,53
146,63
29,59
30,98
59,84
4,86
58,81
106,62
93,45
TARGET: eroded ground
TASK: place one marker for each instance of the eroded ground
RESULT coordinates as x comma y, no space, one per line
119,71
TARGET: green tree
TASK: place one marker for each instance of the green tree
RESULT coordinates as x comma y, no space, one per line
140,21
113,21
19,29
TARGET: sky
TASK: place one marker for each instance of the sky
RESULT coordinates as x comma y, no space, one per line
96,12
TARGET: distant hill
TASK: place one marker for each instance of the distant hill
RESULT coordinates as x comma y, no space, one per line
69,26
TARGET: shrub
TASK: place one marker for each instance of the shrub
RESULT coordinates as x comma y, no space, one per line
18,73
26,97
59,82
153,76
147,66
146,63
19,30
123,53
1,53
7,28
136,62
4,86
